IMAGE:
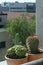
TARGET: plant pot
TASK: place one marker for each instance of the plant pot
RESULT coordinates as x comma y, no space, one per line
32,57
16,61
38,54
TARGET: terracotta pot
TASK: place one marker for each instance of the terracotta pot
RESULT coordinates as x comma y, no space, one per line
32,57
16,61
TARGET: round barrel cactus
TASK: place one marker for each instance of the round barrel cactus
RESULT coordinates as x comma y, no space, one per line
33,43
16,52
20,50
11,52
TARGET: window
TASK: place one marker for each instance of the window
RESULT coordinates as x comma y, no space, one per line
0,19
2,44
17,8
30,8
1,26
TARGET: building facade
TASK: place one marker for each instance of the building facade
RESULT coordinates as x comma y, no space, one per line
19,7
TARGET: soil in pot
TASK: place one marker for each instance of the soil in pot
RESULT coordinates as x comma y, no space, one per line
16,61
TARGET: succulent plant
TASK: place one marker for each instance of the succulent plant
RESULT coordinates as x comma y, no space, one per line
20,50
16,40
10,52
33,43
16,51
18,29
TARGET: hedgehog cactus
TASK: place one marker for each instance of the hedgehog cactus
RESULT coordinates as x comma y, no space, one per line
11,52
16,51
33,43
20,50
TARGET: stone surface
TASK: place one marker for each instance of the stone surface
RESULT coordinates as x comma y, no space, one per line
39,21
3,63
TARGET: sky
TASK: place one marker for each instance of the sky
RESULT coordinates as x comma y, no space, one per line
17,0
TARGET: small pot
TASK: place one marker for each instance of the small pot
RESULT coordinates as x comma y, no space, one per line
32,57
16,61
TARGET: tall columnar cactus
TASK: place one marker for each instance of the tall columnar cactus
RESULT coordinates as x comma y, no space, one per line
16,40
32,44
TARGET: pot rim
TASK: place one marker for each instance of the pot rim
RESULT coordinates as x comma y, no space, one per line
16,59
41,51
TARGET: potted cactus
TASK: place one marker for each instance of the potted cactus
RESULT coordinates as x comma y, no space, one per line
16,55
32,43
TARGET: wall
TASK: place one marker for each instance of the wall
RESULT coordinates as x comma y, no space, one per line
4,37
39,21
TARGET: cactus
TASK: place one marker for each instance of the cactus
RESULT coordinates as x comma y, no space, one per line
20,50
16,40
33,43
10,52
17,51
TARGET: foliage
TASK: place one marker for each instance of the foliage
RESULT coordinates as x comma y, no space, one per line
20,50
19,29
32,25
10,52
16,40
33,43
16,51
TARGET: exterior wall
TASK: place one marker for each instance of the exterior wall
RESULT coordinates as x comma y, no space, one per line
0,7
3,17
39,21
4,37
18,7
11,15
22,7
5,9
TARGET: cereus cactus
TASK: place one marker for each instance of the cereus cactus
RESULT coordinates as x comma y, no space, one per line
33,43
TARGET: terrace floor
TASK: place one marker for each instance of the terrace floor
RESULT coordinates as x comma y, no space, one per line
3,63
